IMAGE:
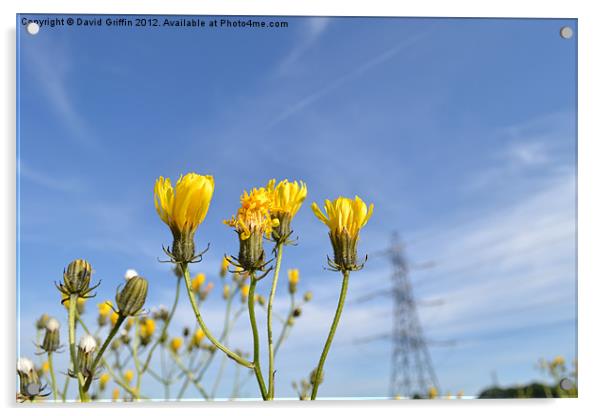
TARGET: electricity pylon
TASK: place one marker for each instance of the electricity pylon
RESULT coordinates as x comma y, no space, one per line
412,371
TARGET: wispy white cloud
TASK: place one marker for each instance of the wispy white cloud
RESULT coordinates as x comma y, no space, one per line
312,31
49,181
52,70
333,85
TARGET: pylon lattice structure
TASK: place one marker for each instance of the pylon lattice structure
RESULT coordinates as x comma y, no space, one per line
412,371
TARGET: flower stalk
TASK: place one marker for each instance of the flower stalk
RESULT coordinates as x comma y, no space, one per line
271,371
256,364
333,329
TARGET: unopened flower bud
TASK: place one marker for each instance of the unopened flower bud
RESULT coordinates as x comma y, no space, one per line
308,296
131,299
76,279
87,346
312,377
124,336
42,321
129,273
29,381
52,340
161,313
297,312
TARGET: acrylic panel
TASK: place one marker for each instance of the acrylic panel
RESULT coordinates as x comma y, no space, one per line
274,207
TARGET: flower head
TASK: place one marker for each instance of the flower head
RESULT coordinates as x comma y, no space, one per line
197,338
146,329
103,380
251,222
293,280
183,210
198,282
287,198
244,293
344,215
176,344
345,218
253,216
128,376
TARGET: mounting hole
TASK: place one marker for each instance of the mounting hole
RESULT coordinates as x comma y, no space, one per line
33,28
566,32
566,384
33,389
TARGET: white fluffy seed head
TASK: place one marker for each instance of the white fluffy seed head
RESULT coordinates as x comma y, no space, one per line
53,325
87,343
129,273
24,365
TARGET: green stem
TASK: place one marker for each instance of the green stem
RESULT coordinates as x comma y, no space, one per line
285,326
106,365
72,349
333,328
135,343
269,322
189,375
208,333
222,338
256,364
52,376
98,357
65,387
165,326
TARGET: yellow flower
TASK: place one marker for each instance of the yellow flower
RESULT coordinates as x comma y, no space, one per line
226,292
197,282
175,344
345,215
293,276
104,309
558,361
198,337
45,366
287,197
184,209
223,270
115,394
128,376
147,328
253,216
244,292
114,318
432,393
293,280
345,218
104,380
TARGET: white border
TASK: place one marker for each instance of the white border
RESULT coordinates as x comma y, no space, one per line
589,210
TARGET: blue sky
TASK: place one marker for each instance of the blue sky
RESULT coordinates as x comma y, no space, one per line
461,131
